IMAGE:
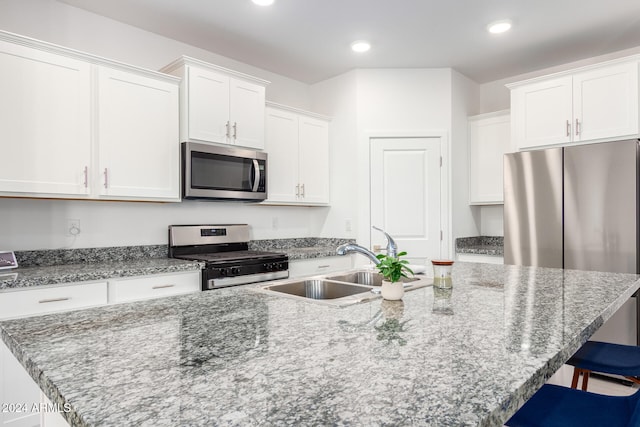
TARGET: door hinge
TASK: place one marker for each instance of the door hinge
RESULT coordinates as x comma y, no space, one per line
440,161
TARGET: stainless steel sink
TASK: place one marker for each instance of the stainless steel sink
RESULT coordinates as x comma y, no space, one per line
318,289
369,278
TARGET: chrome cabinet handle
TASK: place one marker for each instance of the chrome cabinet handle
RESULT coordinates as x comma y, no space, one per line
235,130
256,175
162,286
577,127
86,176
298,190
228,134
324,266
568,128
44,301
302,190
106,178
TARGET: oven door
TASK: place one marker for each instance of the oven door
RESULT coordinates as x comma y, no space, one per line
221,173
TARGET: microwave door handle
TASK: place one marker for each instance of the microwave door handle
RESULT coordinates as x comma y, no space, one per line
256,175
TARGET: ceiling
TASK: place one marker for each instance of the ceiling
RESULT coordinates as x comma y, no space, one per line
308,40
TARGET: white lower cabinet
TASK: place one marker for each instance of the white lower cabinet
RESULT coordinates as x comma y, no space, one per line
134,289
50,299
486,259
18,393
315,266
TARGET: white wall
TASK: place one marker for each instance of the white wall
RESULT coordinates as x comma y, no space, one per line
337,97
381,101
465,97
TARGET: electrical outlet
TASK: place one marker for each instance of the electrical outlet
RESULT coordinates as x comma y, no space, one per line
347,225
73,227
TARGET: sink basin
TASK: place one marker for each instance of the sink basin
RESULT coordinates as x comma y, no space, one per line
318,289
369,278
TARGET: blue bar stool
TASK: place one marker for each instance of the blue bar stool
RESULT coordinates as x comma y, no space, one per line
556,406
607,358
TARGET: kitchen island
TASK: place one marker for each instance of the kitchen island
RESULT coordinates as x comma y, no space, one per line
239,356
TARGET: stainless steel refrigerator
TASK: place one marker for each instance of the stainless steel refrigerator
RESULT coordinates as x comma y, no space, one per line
577,208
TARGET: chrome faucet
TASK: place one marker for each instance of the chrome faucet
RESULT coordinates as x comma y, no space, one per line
352,247
392,248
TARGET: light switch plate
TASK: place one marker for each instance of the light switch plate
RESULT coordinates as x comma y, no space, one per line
7,260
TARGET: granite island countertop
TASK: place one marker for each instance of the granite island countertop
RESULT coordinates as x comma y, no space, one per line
237,356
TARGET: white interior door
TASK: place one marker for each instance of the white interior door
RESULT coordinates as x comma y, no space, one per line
405,195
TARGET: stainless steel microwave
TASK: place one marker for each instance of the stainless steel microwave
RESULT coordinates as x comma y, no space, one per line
223,173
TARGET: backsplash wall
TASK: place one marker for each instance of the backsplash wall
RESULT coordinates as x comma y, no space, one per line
28,224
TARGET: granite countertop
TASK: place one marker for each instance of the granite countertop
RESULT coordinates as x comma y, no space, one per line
480,245
52,267
468,357
301,248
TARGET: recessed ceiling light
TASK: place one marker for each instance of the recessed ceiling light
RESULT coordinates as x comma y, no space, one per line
499,26
263,2
360,46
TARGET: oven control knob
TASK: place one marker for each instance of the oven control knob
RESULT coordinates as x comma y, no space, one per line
235,270
223,271
269,267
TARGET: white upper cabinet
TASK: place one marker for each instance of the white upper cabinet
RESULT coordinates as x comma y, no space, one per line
594,103
297,144
137,136
218,105
78,126
489,139
45,112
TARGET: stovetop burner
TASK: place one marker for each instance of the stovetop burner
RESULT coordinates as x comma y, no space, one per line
225,251
232,256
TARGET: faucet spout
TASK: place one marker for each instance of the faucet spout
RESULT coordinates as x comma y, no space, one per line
392,248
352,247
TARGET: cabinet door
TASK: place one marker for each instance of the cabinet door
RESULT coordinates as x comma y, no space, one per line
156,286
313,144
542,113
315,266
281,145
208,106
606,102
137,136
18,391
45,114
489,139
246,114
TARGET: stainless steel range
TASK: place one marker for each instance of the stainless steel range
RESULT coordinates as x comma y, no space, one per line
225,251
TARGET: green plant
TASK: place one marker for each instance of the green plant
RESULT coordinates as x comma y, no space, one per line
392,268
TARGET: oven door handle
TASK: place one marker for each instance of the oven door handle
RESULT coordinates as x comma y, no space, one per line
256,175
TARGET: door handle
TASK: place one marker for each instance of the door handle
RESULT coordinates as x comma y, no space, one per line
256,175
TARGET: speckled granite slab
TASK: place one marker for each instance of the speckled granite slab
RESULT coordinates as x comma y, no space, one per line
466,358
49,257
301,248
481,245
24,277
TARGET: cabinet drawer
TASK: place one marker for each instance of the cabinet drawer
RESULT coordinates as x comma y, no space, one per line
312,267
486,259
123,290
46,300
